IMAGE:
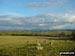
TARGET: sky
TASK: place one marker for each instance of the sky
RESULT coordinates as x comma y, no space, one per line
37,14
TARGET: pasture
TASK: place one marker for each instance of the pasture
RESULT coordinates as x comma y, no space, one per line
25,45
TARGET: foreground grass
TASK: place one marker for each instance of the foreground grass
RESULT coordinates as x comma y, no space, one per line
19,46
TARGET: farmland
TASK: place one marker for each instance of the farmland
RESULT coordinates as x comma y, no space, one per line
25,45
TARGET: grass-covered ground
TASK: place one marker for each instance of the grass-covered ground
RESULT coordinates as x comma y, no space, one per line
25,45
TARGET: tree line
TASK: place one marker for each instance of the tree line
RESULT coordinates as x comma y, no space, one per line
61,34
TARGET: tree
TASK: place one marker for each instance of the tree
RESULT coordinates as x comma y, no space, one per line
73,34
62,34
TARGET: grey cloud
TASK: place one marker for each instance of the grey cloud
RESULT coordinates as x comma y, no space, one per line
48,21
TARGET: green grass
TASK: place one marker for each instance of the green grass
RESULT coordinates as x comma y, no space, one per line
18,46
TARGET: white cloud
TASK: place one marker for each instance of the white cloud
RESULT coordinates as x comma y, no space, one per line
41,24
72,18
61,17
11,20
46,3
16,22
69,18
5,19
60,26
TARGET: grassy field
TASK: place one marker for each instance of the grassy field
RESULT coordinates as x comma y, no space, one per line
25,45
